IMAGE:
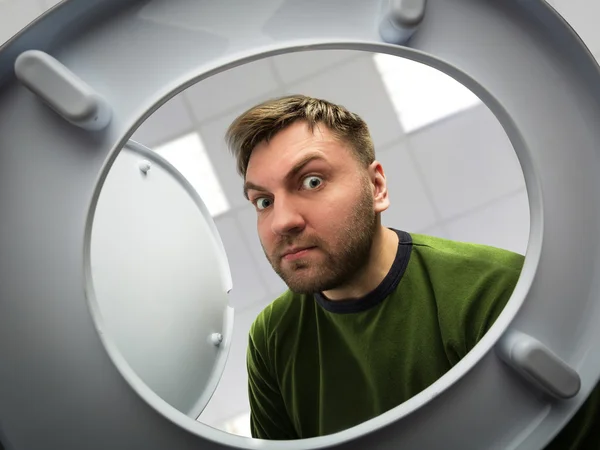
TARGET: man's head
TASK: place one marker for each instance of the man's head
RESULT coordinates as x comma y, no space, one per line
309,168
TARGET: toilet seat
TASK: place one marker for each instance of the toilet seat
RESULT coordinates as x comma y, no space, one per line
154,253
130,57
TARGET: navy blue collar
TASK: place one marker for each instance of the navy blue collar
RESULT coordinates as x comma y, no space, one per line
381,292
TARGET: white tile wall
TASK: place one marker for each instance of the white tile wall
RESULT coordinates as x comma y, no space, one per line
248,286
168,122
438,230
410,206
503,223
229,90
293,67
357,86
247,222
213,136
467,161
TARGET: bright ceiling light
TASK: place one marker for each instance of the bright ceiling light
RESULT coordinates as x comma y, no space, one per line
188,155
421,95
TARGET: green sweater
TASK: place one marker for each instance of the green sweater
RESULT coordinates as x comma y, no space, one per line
317,366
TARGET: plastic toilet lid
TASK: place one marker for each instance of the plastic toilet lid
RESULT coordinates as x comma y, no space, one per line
71,95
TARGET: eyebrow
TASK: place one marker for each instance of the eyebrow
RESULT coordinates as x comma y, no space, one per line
248,185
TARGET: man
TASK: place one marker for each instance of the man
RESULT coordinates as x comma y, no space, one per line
372,315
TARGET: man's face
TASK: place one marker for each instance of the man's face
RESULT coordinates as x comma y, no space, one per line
315,207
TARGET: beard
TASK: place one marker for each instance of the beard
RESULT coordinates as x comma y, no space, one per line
344,256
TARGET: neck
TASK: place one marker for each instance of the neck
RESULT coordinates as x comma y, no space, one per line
381,257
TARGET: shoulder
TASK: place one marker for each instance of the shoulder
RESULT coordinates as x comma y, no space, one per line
448,256
465,276
459,272
469,283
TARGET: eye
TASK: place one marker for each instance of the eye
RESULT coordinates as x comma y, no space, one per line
312,182
262,203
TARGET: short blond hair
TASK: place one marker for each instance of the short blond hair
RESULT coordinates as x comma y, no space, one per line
263,121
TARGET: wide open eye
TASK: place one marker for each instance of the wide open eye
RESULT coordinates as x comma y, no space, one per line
263,202
312,182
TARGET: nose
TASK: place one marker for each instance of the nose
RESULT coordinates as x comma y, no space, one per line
286,218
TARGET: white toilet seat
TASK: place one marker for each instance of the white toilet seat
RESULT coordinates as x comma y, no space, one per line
148,220
519,56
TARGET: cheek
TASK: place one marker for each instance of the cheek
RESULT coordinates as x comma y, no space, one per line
347,200
265,234
330,217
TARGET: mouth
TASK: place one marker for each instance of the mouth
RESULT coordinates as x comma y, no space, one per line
295,253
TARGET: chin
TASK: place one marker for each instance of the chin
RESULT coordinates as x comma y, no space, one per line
301,285
307,285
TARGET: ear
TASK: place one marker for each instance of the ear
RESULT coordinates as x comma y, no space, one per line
381,200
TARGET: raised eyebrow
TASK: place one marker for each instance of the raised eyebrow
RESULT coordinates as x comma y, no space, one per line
303,162
248,185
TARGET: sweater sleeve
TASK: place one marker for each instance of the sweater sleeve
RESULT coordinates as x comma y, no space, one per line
484,291
268,415
487,303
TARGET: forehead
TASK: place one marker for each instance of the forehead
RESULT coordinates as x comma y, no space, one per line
291,145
